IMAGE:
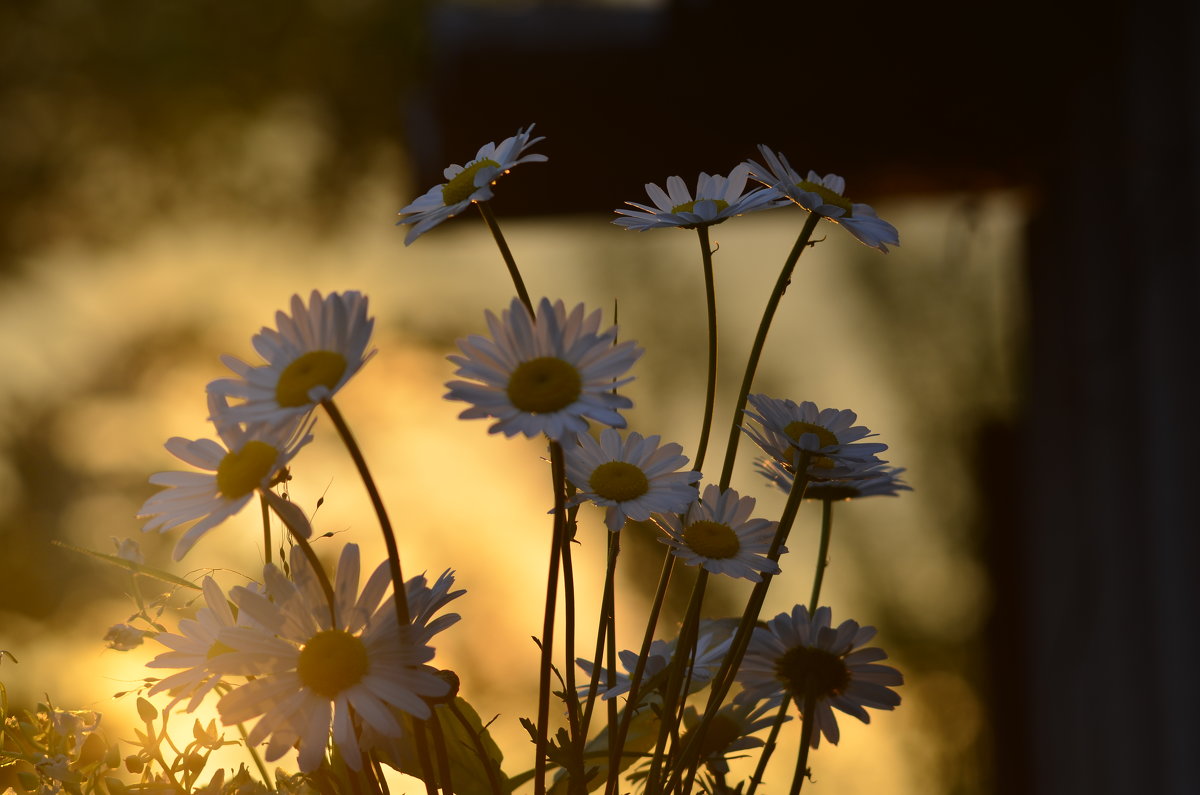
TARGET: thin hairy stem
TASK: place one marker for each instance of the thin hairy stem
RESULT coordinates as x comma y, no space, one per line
558,481
760,340
485,209
822,554
710,391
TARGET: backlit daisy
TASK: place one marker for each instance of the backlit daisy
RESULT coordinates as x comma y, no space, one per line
805,657
466,184
252,457
311,672
194,648
545,376
718,534
710,651
717,198
631,479
310,355
824,196
786,428
874,480
730,731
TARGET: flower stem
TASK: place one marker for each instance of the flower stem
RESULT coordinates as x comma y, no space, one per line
760,340
604,628
399,594
806,733
558,480
266,523
822,554
489,218
315,564
689,757
710,393
635,677
769,746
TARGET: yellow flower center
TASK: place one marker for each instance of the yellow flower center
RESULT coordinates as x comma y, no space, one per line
711,539
827,196
690,207
544,385
332,661
242,472
804,670
315,368
795,430
618,481
463,185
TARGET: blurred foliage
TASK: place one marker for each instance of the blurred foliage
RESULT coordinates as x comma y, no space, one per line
111,112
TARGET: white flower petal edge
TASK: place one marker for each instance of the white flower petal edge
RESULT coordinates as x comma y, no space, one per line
570,345
835,662
317,671
717,199
310,355
824,196
469,183
662,488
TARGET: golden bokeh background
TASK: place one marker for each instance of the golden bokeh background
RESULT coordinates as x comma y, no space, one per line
124,283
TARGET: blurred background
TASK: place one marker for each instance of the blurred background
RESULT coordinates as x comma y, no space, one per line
173,173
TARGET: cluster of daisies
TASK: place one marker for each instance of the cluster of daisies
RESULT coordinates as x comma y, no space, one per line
317,659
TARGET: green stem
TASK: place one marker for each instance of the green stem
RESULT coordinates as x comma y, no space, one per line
266,523
769,746
710,393
603,631
723,680
489,218
760,340
570,695
315,564
439,749
639,670
257,759
822,554
558,479
672,696
399,594
806,732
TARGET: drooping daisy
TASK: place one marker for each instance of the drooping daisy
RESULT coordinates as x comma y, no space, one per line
875,480
310,671
252,457
711,646
824,196
194,647
544,375
310,355
466,184
717,198
631,479
731,730
786,428
803,656
718,534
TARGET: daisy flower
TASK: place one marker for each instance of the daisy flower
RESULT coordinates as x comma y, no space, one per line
466,184
711,647
544,374
874,480
252,457
311,671
631,479
802,657
719,535
194,647
824,196
717,198
310,355
829,435
730,730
